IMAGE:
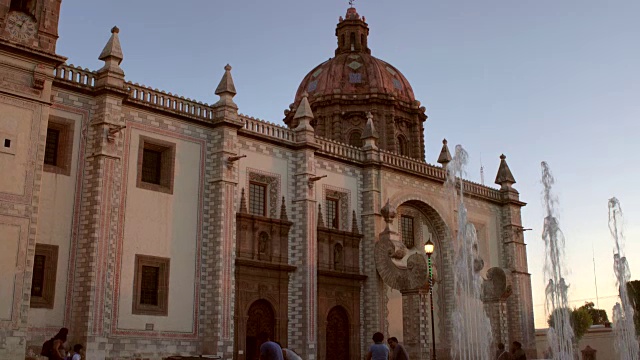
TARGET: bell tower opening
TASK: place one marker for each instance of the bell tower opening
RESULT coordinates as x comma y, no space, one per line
26,6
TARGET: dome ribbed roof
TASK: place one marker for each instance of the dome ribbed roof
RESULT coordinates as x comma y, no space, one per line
355,73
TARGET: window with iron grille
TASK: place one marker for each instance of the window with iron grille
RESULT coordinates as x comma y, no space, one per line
51,147
332,213
406,224
151,286
43,282
257,199
156,162
151,166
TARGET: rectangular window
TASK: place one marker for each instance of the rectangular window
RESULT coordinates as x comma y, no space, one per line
151,286
43,280
257,199
332,213
58,146
406,223
156,161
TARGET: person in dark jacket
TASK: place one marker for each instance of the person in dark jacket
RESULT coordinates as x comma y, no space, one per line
516,351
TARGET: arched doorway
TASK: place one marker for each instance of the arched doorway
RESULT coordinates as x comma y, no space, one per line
261,318
337,345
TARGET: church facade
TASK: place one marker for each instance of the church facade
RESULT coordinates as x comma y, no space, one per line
152,225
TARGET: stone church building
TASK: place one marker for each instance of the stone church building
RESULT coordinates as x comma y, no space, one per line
152,225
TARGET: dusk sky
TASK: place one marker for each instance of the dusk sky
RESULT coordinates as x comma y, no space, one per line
557,81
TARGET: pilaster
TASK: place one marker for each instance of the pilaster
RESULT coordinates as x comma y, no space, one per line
374,298
416,323
217,295
100,208
519,305
303,281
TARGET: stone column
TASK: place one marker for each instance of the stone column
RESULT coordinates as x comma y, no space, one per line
416,323
303,252
92,291
217,295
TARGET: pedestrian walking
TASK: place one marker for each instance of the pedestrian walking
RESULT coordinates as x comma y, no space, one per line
516,351
398,352
269,350
378,350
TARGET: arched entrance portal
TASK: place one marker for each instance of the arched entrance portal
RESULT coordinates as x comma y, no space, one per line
337,344
261,318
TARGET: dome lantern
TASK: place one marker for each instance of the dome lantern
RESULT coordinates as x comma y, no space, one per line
352,32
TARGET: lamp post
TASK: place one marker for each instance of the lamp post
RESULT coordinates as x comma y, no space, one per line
429,248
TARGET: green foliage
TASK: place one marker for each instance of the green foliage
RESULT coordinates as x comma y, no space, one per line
598,316
579,318
633,290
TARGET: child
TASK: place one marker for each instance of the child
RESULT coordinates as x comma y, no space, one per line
76,352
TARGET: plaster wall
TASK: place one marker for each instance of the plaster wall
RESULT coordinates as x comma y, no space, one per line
15,125
9,262
55,224
163,225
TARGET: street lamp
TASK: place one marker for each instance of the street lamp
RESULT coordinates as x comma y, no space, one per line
429,248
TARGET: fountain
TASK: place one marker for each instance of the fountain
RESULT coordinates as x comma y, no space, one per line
560,335
626,342
471,326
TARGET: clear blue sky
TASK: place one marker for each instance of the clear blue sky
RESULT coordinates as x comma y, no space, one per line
537,80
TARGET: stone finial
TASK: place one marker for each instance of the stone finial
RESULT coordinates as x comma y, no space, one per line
112,52
304,132
445,155
304,109
369,128
354,223
388,213
320,219
283,211
226,89
243,203
370,135
504,178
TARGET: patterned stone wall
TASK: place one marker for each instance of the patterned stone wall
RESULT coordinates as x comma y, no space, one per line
101,215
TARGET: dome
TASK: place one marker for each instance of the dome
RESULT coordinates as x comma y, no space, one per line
355,73
343,90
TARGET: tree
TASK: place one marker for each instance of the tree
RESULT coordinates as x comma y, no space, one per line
579,318
633,290
598,316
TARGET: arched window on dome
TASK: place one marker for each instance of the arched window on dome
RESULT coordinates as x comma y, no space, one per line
362,41
353,41
403,146
342,40
355,138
